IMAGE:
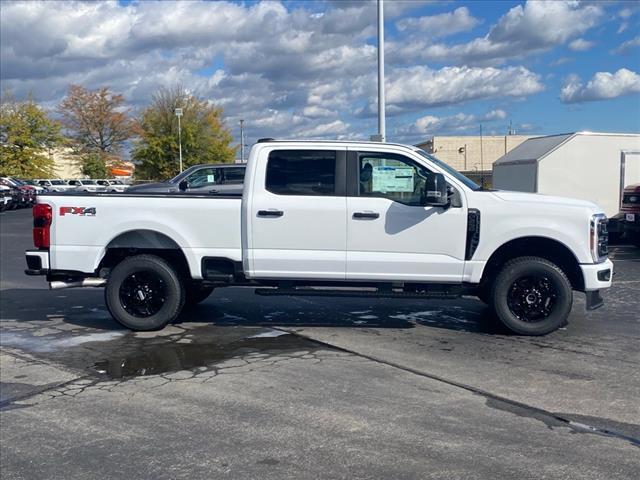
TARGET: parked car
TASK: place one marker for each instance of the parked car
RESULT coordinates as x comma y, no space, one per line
628,220
210,178
55,185
25,195
39,189
113,185
364,219
86,186
6,198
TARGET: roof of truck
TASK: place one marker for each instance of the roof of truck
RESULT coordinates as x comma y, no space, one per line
345,142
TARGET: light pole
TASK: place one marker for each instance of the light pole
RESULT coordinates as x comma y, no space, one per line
241,141
381,113
178,112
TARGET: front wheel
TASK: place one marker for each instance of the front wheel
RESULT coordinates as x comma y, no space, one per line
531,296
144,292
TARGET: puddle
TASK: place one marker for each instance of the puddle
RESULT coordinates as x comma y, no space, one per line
168,357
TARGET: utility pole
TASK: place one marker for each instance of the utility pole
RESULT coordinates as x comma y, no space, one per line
381,101
241,141
178,112
481,160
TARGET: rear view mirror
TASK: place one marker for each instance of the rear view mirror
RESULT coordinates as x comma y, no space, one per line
183,185
435,191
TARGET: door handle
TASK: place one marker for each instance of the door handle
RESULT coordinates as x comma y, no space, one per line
365,215
270,213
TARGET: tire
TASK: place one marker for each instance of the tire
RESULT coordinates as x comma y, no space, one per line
531,296
151,278
197,293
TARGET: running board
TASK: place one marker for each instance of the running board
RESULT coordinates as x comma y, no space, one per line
446,293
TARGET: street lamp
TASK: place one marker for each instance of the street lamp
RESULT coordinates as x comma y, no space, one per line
178,112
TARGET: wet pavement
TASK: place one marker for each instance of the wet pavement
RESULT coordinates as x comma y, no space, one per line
244,386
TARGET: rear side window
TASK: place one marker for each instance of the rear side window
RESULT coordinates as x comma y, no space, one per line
233,175
301,172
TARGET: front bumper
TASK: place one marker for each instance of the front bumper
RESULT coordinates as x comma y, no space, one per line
596,277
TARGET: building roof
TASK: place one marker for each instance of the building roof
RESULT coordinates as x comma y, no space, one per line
535,149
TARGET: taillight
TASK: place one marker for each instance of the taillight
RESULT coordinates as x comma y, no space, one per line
42,215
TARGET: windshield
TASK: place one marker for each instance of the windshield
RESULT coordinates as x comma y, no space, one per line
88,182
57,182
115,182
183,175
450,170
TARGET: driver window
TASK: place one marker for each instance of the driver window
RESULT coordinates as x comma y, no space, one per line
203,178
391,176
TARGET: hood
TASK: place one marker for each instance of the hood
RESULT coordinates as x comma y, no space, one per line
635,188
538,198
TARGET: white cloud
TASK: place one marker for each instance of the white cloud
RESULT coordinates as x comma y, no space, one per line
495,115
581,45
417,87
537,27
441,25
624,47
602,86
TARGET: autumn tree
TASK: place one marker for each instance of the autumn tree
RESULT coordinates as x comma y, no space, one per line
26,135
205,139
98,125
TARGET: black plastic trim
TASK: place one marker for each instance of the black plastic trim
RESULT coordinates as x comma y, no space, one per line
594,300
473,233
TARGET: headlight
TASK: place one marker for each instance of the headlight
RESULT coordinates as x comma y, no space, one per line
599,237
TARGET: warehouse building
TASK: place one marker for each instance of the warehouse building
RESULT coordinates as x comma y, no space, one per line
472,154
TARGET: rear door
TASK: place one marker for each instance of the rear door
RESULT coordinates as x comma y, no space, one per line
298,215
390,235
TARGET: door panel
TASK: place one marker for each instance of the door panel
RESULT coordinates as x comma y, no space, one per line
298,216
405,241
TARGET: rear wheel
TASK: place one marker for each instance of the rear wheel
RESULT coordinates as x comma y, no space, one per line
144,292
531,296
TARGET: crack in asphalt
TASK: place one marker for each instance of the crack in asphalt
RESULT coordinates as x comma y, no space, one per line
493,400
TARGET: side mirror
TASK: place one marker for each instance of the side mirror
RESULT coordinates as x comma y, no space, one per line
183,185
435,191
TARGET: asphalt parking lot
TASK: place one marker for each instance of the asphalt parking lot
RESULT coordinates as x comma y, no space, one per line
274,387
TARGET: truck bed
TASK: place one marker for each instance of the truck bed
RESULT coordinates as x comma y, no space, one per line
85,224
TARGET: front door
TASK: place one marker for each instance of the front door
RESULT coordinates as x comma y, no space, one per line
298,215
390,236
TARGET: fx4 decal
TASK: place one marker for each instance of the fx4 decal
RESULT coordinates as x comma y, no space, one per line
83,211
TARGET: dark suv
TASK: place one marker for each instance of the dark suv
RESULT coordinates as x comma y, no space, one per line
202,179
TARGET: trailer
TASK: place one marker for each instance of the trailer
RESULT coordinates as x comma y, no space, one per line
585,165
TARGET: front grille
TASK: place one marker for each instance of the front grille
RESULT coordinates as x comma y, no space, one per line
631,198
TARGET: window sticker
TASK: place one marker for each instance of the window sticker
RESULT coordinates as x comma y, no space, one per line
210,178
393,179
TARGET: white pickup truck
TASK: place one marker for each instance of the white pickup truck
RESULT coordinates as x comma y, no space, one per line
329,219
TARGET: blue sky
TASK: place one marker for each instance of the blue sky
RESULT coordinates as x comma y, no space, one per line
307,69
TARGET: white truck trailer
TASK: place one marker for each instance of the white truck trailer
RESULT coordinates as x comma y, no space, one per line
332,219
591,166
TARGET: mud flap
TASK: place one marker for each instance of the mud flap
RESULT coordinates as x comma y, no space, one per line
594,300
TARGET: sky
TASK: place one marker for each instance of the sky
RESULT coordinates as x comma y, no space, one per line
308,69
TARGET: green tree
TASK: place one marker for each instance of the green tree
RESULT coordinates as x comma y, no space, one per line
205,139
98,125
26,135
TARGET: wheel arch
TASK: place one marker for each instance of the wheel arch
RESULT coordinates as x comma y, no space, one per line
144,241
544,247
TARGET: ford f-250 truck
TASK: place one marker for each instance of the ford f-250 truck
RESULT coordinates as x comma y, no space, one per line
333,219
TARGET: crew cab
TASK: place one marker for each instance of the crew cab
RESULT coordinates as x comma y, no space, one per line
329,218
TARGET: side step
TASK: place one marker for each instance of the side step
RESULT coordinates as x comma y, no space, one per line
446,292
